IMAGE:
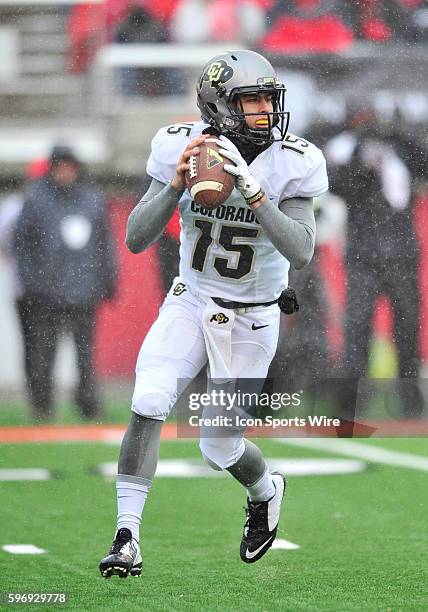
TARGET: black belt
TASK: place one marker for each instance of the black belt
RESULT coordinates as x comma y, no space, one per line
234,305
287,302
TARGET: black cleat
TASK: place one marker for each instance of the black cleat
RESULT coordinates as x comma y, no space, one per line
124,558
262,523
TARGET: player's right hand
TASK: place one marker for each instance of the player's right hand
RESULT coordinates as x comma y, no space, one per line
178,182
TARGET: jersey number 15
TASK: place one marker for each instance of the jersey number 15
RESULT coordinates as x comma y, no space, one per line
228,234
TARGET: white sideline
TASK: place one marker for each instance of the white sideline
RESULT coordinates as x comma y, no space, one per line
362,451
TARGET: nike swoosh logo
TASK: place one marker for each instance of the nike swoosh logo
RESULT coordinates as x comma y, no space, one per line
251,555
255,327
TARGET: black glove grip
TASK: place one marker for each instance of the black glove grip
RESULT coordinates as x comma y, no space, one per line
287,301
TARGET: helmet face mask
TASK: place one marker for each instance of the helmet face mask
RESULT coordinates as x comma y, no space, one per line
231,75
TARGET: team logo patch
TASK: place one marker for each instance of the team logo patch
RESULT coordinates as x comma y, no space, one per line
217,73
213,158
179,289
219,318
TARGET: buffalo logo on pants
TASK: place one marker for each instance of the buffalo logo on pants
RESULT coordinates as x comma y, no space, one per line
219,318
179,289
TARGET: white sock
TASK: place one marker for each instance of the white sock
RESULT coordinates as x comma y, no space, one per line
132,493
263,489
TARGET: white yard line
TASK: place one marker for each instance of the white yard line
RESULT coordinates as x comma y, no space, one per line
281,544
194,468
23,549
15,474
362,451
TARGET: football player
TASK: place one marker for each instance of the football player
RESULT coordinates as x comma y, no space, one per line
234,262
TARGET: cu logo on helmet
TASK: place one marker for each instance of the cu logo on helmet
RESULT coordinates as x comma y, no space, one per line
219,318
218,72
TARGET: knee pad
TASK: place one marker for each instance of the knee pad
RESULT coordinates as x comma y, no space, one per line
151,405
212,465
221,453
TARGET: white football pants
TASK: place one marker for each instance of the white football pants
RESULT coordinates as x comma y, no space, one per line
174,352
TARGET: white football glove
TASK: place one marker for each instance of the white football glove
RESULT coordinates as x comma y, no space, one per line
245,181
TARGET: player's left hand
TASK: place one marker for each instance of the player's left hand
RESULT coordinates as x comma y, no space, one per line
192,148
245,181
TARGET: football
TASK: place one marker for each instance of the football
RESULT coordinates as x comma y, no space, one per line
208,182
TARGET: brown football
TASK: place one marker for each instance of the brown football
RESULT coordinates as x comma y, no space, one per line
208,182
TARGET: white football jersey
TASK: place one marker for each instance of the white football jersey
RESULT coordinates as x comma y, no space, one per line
225,252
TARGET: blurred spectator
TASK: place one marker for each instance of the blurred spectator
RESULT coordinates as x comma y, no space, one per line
370,21
11,205
10,210
65,265
413,150
303,357
315,26
200,21
93,24
323,26
388,20
141,27
382,252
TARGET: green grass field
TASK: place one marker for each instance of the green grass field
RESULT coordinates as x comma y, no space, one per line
363,537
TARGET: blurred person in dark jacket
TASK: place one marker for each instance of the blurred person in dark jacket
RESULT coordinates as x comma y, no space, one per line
65,265
382,254
141,27
10,210
303,358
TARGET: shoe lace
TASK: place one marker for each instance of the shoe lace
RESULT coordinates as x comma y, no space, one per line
117,544
253,513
